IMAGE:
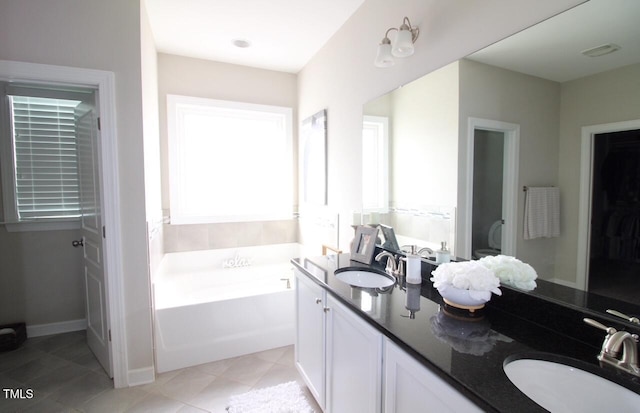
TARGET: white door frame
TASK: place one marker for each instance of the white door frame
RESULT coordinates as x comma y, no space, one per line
586,186
105,83
511,133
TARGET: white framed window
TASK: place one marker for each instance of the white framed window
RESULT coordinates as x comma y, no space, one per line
39,158
229,161
375,164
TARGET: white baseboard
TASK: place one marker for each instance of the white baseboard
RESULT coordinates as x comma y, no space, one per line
144,375
38,330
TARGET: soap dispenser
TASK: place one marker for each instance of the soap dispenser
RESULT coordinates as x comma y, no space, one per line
443,255
414,267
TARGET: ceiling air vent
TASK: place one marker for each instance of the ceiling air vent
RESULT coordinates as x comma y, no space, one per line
241,43
601,50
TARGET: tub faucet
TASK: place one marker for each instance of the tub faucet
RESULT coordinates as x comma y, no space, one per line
413,249
615,341
288,280
428,250
392,267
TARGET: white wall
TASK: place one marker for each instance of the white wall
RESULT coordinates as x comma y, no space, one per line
101,35
41,277
341,77
493,93
151,140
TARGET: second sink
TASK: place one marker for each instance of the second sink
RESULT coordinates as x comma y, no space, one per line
565,385
365,278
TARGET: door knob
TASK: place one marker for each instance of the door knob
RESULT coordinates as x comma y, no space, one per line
77,243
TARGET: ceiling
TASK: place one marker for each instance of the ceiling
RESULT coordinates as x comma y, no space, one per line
283,34
552,49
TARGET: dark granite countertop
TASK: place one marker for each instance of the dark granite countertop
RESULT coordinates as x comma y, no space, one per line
468,353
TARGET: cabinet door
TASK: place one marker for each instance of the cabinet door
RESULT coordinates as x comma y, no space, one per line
409,387
354,362
310,328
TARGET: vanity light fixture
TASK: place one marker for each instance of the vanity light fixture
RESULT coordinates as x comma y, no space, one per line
402,44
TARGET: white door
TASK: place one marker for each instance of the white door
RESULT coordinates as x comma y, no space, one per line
410,387
98,334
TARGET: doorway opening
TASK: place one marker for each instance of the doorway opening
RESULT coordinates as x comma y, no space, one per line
103,83
614,253
491,192
488,171
51,182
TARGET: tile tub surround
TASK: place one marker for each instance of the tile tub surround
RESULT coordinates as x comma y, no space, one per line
194,237
476,373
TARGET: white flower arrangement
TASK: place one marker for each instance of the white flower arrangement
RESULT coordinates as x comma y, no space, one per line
511,271
479,280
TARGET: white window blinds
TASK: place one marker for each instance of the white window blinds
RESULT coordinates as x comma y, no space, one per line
46,167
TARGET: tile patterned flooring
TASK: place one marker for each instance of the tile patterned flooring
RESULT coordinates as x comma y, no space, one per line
65,377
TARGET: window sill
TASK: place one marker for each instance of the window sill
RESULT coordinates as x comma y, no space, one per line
32,226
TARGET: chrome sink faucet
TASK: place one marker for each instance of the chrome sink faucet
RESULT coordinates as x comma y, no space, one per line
613,343
394,268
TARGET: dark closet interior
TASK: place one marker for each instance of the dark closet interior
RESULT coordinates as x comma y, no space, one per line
614,269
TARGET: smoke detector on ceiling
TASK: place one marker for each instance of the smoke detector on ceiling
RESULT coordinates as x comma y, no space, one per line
241,43
601,50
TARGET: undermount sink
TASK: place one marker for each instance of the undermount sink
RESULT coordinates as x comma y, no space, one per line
361,277
565,385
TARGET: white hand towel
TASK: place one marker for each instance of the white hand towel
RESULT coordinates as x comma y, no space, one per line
542,212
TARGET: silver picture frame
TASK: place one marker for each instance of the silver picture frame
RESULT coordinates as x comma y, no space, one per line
364,244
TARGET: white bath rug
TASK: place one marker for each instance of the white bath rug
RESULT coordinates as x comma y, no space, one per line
283,398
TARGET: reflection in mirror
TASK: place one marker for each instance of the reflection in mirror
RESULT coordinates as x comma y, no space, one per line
486,227
389,243
421,154
425,228
560,102
363,245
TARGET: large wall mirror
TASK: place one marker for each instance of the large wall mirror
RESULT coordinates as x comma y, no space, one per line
556,105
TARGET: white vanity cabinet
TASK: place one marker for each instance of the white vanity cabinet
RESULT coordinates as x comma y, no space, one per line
310,335
338,354
410,387
354,368
342,359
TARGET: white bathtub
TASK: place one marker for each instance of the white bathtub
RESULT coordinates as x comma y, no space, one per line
210,305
